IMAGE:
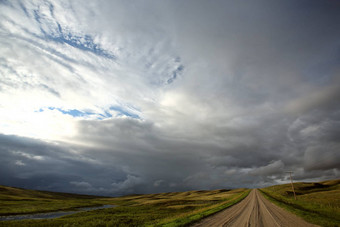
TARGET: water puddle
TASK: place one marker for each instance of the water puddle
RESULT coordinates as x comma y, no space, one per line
51,214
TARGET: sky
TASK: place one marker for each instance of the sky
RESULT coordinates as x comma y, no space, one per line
119,97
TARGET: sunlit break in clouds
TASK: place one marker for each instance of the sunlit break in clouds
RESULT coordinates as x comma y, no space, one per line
118,97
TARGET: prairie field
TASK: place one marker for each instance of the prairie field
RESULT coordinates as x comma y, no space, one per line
15,201
163,209
317,203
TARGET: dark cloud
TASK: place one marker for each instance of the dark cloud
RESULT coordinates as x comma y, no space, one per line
134,156
36,164
322,157
273,168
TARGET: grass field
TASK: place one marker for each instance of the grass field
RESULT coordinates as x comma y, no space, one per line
23,201
317,203
164,209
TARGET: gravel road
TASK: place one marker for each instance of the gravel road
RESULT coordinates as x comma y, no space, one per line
254,210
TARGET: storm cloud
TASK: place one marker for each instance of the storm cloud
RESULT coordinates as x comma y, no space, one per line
119,97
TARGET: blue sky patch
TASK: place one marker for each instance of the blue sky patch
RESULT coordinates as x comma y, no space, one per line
175,74
72,112
123,112
107,114
85,42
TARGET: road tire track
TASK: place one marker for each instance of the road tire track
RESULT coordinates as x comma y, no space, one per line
254,210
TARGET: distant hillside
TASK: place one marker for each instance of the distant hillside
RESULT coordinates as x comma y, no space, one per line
317,202
25,201
303,188
17,193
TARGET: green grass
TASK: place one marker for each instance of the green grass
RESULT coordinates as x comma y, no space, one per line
186,220
23,201
317,203
163,209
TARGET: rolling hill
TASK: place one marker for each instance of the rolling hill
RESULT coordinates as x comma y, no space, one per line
316,202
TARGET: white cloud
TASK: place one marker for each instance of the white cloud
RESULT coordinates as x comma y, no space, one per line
54,62
158,183
29,156
19,163
128,185
81,184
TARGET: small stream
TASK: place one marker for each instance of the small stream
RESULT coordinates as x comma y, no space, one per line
56,214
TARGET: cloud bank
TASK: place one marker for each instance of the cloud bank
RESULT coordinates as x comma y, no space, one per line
119,97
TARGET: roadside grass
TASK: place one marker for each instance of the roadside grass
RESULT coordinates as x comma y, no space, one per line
317,203
195,216
163,209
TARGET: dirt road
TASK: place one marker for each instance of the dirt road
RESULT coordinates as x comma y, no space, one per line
254,210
